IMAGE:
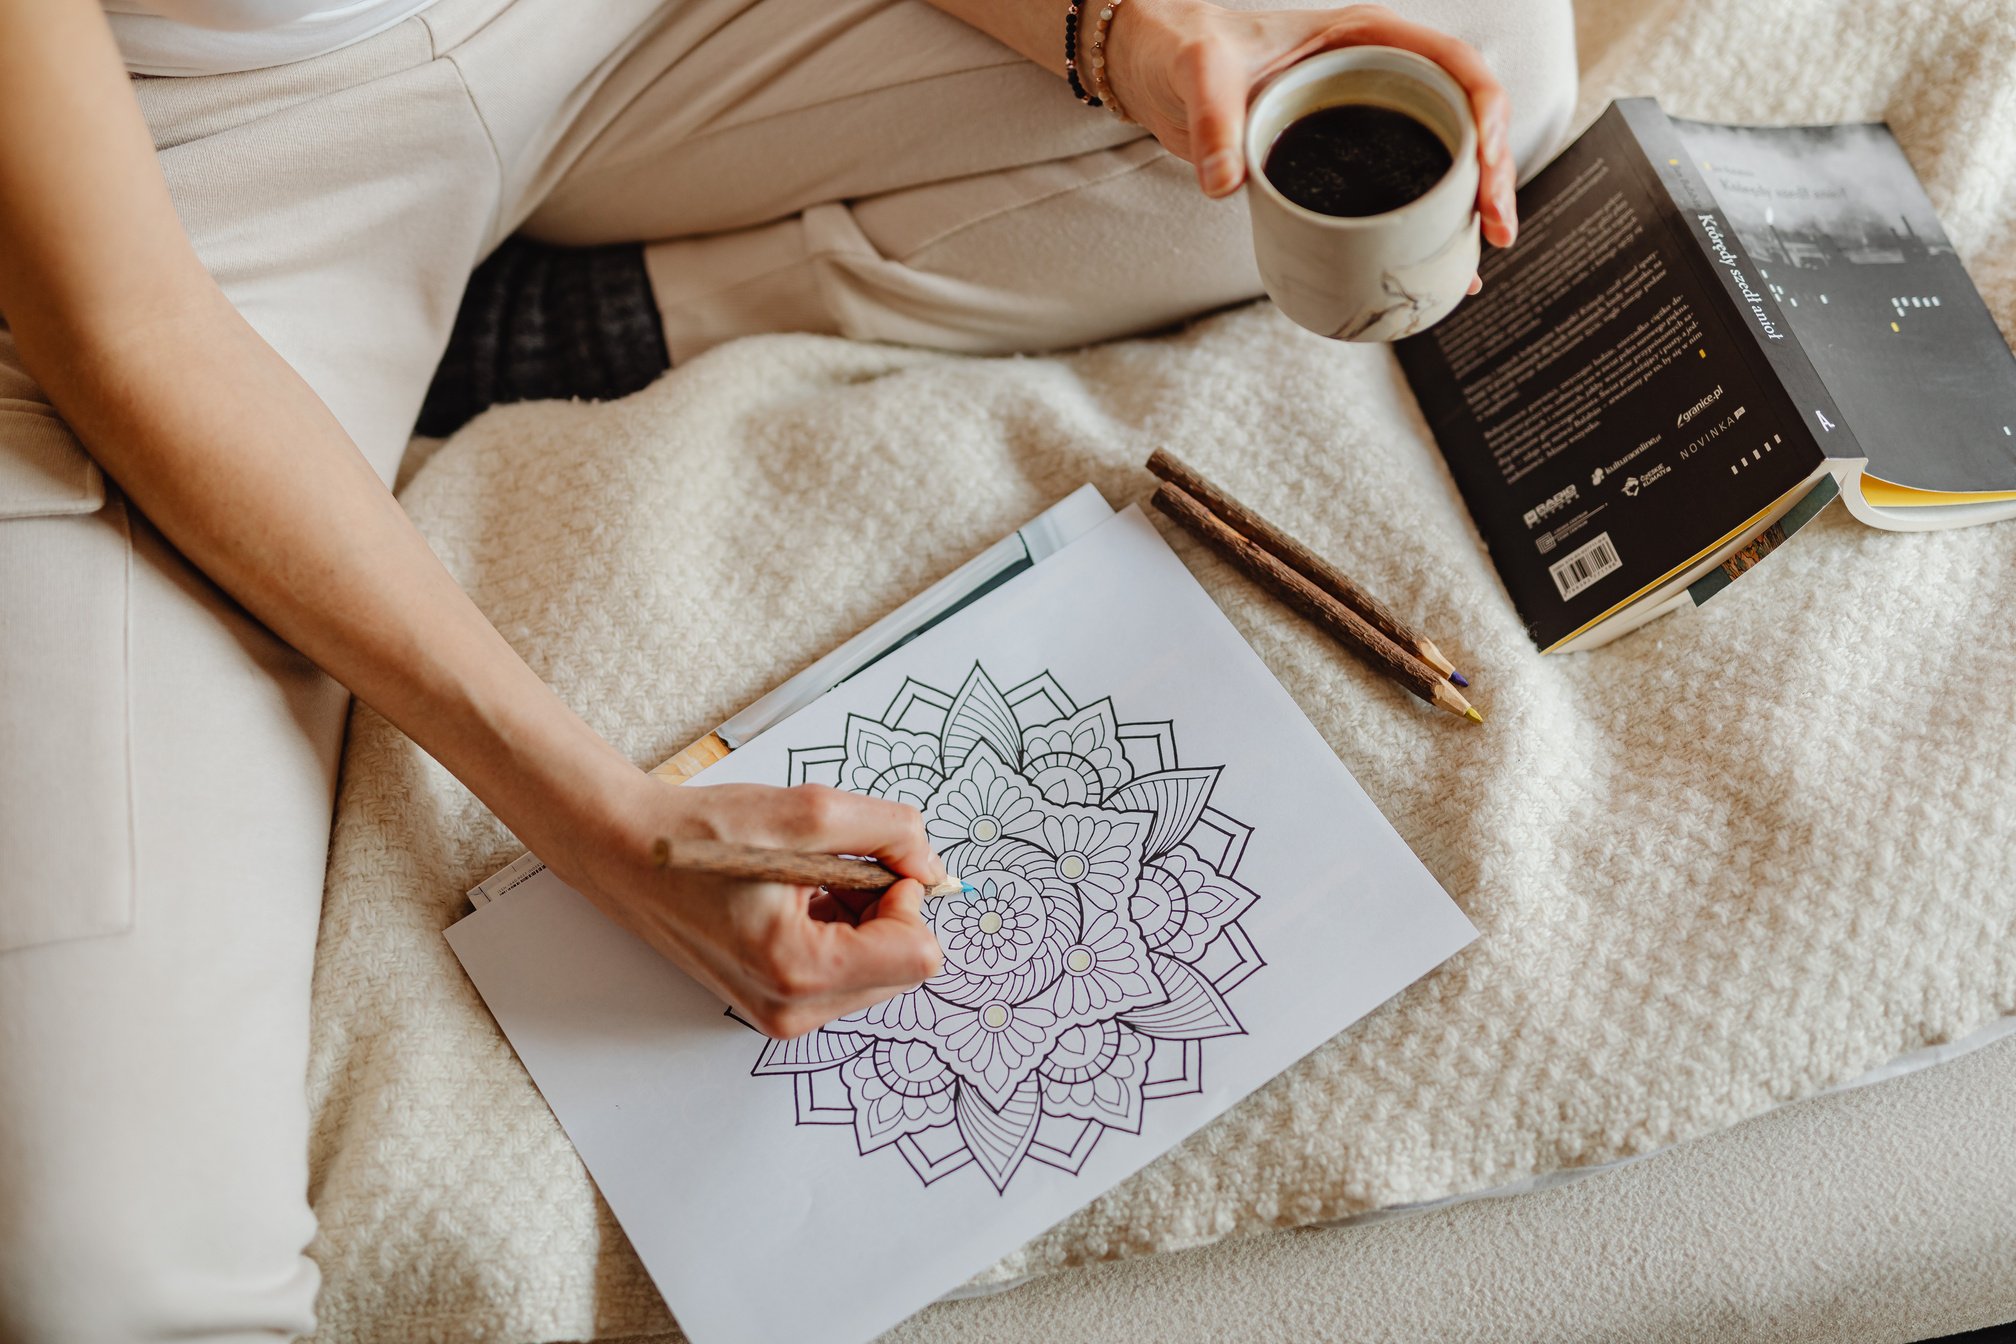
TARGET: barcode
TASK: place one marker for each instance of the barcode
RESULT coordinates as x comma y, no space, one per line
1584,565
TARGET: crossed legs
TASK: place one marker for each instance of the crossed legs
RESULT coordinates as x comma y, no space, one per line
866,167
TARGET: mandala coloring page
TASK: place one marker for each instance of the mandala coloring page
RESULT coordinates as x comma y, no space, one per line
1089,968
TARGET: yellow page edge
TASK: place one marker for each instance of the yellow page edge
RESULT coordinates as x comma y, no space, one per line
1890,495
1752,521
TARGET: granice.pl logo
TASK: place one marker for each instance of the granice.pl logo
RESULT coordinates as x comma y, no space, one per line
1699,406
1563,497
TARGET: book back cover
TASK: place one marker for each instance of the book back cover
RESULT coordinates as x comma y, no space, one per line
1607,415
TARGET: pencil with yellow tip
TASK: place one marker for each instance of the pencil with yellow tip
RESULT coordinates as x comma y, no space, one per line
1313,567
1350,629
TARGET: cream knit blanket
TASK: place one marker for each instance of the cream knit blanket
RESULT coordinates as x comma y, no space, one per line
1740,856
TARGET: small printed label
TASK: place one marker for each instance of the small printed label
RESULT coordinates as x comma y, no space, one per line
1560,500
1584,565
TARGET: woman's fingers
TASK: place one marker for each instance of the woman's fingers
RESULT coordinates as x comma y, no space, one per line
1489,105
830,821
1217,116
889,951
1497,184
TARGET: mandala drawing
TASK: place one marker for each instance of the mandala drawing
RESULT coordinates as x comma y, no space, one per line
1086,968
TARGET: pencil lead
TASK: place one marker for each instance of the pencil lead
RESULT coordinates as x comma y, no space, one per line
1472,715
1460,680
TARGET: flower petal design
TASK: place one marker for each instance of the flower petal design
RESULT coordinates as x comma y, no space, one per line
981,802
909,1016
1176,797
1194,1011
897,1089
1108,971
1005,940
1210,902
1069,959
821,1049
885,762
1078,758
1111,1092
993,1048
980,713
1095,849
999,1136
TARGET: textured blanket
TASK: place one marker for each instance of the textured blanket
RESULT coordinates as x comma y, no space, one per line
1738,857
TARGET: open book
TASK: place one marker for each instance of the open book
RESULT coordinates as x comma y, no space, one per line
1704,336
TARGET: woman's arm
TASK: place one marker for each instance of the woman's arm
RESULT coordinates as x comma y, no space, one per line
240,465
1185,68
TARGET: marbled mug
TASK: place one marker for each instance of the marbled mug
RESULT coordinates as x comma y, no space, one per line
1369,277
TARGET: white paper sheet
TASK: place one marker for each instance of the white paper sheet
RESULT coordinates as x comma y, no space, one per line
1182,892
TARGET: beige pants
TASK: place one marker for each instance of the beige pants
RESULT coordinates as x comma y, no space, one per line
167,767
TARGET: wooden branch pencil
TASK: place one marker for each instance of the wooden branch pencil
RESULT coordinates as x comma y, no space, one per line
1314,567
1378,652
753,863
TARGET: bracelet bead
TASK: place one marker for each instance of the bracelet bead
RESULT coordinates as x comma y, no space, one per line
1078,89
1102,86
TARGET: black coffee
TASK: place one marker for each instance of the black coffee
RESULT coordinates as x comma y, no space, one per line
1356,159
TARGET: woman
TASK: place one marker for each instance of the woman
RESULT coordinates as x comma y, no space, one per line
224,293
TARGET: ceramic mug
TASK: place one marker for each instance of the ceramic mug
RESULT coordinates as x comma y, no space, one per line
1370,277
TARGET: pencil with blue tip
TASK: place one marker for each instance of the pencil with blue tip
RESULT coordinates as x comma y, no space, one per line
754,863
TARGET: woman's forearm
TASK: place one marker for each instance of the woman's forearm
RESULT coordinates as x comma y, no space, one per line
244,470
224,447
1033,28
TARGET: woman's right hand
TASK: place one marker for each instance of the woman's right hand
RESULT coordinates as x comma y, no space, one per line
786,961
1185,69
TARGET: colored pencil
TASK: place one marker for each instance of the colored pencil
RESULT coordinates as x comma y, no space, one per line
753,863
1314,567
1350,629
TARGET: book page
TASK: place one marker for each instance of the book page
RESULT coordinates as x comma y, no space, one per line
1863,272
1180,891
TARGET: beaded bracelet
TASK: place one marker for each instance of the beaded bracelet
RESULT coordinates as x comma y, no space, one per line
1101,26
1071,58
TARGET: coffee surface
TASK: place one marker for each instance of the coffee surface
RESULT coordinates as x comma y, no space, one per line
1356,159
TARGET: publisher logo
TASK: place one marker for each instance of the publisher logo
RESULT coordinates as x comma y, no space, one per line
1547,508
1699,406
1611,472
1636,484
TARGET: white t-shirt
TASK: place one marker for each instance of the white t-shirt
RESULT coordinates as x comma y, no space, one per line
214,37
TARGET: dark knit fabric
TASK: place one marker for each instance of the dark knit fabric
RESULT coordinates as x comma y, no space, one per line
540,322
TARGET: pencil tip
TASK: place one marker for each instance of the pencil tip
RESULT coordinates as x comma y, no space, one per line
1460,680
1472,715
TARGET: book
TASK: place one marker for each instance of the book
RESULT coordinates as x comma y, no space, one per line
1704,336
1178,891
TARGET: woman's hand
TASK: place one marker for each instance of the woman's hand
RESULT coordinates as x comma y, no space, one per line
786,958
1185,69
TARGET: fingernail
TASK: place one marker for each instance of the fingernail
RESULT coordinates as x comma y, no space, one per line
1221,171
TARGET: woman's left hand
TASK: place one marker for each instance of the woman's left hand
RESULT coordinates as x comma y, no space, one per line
1185,69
